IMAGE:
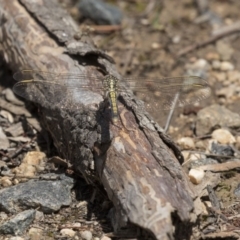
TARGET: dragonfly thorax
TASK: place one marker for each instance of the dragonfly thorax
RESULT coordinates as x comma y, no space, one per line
110,83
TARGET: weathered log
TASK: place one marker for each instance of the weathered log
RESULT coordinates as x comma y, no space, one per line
136,163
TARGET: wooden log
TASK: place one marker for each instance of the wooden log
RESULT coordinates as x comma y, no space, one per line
136,163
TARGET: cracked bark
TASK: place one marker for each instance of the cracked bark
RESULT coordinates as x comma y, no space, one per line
136,163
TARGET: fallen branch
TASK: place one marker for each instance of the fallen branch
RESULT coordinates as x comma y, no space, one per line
135,162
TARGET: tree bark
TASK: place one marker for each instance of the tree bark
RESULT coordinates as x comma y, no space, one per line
136,163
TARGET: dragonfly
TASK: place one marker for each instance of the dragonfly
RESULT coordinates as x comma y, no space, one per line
59,89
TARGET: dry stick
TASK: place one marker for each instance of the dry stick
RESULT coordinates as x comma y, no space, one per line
105,28
213,197
170,114
234,28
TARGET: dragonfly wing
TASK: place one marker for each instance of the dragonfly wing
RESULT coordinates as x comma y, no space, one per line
71,80
161,93
54,94
41,92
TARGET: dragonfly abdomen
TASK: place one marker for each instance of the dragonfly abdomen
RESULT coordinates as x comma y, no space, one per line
112,95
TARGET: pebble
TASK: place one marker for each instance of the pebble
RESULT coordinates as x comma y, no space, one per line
67,232
35,233
238,142
86,235
233,76
15,238
155,45
176,39
5,181
226,92
237,190
105,238
226,66
220,149
220,76
197,157
7,115
198,68
200,144
216,64
224,50
186,143
32,162
196,160
214,116
201,63
100,12
196,175
204,210
39,216
4,142
186,155
77,225
211,56
223,136
144,21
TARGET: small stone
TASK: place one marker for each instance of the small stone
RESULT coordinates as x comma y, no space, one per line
39,216
186,155
15,181
31,164
15,130
224,50
4,142
100,12
220,149
7,115
220,76
15,238
204,210
144,21
238,142
201,63
67,232
35,233
11,97
197,157
86,235
226,92
233,76
223,136
155,45
214,116
226,66
5,181
237,191
216,64
176,39
212,56
105,238
77,225
196,175
200,145
186,143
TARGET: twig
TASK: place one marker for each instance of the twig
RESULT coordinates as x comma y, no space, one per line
217,35
105,28
213,198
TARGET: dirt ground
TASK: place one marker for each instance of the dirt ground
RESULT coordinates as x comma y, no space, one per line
153,40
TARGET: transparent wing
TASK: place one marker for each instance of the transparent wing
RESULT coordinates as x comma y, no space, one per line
163,92
55,88
58,88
